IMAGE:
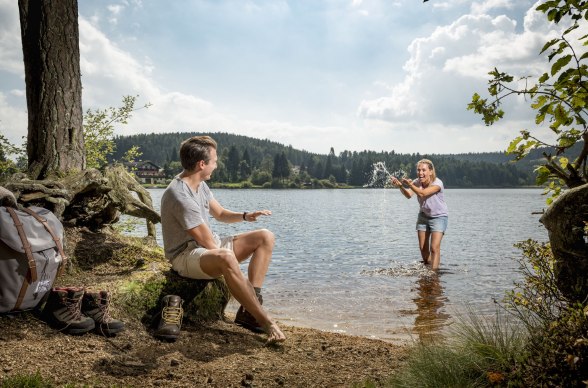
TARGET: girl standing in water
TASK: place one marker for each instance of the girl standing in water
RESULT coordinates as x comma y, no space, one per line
433,215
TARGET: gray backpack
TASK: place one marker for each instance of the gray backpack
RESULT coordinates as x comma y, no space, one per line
31,256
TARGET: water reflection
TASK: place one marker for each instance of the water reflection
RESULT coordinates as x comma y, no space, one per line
430,300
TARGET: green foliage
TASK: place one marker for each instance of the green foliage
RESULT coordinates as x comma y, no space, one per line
556,353
536,299
559,97
99,130
7,165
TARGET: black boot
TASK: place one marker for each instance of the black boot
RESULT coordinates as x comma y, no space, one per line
96,306
248,321
170,322
63,311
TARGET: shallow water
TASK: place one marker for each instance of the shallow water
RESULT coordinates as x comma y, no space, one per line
348,260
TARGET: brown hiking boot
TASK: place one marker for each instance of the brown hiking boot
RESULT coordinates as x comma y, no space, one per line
96,306
170,322
63,311
248,321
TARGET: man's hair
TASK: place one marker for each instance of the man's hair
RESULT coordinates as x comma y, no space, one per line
195,149
431,167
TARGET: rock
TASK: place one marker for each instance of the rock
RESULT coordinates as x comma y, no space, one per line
565,221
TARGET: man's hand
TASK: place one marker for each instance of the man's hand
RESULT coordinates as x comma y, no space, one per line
252,216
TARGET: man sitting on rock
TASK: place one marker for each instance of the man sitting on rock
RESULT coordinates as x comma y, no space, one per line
198,253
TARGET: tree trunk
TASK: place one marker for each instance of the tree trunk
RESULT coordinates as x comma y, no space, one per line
565,221
50,43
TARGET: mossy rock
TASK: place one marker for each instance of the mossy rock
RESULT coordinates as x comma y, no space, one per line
138,276
140,295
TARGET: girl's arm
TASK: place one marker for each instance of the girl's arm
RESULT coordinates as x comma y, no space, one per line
422,192
403,190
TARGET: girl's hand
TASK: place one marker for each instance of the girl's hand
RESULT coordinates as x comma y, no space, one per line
406,181
395,181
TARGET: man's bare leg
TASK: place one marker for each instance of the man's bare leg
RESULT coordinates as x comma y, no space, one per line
259,244
223,262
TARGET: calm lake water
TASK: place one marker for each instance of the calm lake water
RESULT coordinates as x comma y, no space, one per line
348,260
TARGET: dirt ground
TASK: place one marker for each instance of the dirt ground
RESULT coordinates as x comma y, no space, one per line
214,354
220,354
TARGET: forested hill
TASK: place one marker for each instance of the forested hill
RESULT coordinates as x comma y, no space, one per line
243,158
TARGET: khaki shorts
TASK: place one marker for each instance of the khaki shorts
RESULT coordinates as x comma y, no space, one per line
187,263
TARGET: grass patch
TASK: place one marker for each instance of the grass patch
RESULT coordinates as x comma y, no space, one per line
34,380
479,352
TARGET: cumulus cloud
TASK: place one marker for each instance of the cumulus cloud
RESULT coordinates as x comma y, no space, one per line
448,66
487,5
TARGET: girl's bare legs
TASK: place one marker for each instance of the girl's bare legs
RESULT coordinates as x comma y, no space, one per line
424,246
435,243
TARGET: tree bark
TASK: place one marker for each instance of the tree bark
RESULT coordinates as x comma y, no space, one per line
565,221
50,43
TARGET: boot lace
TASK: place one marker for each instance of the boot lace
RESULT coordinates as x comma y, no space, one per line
172,315
74,306
104,315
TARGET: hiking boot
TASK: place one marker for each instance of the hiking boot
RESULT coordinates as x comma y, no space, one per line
63,311
170,322
248,321
96,306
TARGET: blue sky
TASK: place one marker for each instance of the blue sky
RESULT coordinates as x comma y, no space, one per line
352,75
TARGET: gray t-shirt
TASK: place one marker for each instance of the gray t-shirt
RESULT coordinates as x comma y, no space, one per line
183,209
433,205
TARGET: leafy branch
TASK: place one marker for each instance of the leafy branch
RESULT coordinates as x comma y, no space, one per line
99,130
559,97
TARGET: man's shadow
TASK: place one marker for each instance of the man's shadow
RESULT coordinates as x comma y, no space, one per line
430,300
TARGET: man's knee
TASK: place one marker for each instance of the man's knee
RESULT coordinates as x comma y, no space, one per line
226,258
268,236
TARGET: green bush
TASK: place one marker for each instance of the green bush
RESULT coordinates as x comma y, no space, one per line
557,351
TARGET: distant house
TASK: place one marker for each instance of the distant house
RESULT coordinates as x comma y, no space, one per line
147,172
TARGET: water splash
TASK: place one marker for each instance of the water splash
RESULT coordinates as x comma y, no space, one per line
380,176
401,269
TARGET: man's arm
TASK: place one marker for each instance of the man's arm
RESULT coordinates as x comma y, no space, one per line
223,215
203,236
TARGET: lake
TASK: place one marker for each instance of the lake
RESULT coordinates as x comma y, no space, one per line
348,260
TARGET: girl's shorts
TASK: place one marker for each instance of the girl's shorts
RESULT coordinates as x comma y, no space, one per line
431,224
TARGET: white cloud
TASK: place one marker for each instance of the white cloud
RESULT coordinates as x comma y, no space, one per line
488,5
448,66
115,11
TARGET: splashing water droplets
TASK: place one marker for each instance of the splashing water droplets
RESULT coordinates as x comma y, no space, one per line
380,176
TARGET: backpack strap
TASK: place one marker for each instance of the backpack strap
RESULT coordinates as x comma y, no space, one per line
25,244
56,239
32,272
